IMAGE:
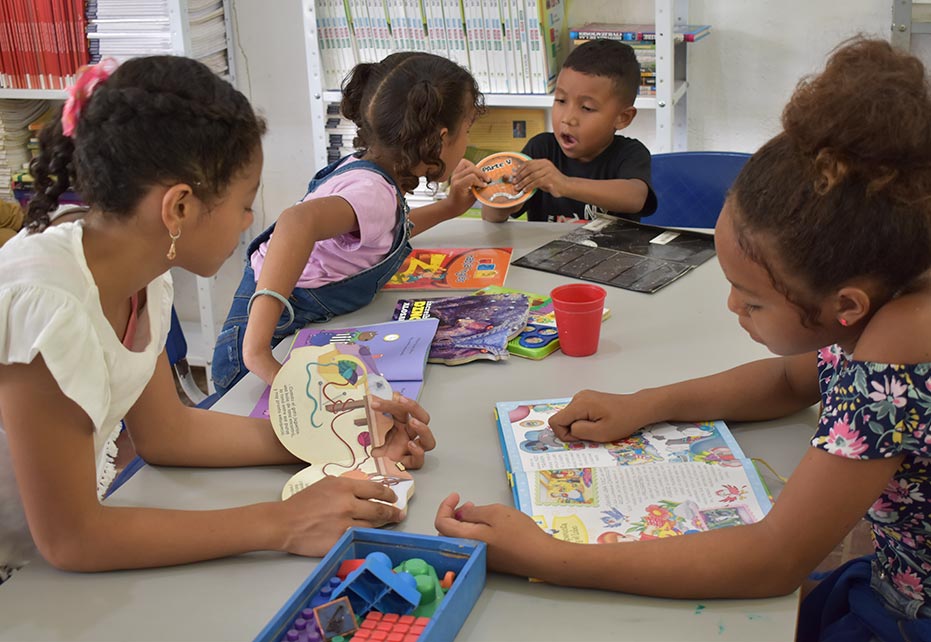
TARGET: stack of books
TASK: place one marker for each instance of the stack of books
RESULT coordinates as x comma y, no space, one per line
15,118
642,38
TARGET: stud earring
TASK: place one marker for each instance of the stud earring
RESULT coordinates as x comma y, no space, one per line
172,253
843,321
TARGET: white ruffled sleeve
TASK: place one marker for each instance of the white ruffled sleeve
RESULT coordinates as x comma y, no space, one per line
44,320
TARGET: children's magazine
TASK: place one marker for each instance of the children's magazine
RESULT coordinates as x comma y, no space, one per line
320,410
667,479
452,269
471,327
396,351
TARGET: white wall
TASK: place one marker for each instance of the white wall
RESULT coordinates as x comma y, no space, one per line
740,77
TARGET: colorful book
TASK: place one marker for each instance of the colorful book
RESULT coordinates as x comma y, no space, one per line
539,338
395,351
452,269
320,409
664,480
624,254
471,327
636,32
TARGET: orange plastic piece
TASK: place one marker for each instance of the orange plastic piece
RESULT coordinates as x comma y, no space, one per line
390,627
447,582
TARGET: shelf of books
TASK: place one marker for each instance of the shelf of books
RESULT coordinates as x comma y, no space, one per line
43,44
514,48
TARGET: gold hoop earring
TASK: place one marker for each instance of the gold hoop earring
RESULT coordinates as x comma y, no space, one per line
172,252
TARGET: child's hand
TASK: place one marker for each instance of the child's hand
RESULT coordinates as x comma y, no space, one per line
410,437
314,518
598,416
515,543
540,173
464,178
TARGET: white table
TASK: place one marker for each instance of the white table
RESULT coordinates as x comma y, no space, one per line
682,331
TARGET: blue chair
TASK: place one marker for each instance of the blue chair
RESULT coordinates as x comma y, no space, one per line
176,350
690,186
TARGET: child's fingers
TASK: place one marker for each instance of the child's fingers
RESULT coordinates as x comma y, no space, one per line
414,457
423,436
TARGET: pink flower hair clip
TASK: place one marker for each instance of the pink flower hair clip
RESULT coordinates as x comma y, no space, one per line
88,78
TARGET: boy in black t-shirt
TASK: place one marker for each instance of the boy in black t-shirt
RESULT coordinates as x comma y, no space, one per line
582,168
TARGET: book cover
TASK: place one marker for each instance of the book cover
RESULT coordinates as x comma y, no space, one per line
667,479
320,410
623,254
396,351
451,269
471,327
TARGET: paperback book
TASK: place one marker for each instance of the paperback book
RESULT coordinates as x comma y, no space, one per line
624,254
471,327
395,351
667,479
452,269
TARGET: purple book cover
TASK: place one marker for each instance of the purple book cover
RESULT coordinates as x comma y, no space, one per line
471,327
396,350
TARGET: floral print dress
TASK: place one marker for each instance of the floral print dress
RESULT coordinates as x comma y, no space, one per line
872,410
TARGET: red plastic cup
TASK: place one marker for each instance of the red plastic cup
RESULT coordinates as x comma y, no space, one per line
578,308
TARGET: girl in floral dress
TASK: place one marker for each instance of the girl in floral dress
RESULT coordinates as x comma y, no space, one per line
825,239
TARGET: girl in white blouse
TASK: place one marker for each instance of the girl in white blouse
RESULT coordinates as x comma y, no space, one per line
168,158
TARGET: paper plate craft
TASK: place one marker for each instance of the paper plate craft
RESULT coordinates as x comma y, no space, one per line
500,192
319,408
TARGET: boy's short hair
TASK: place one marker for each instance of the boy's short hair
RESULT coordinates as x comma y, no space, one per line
612,59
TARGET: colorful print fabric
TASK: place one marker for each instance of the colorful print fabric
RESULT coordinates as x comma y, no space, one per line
872,410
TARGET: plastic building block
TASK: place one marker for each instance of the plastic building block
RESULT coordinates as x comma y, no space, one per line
390,627
335,619
448,579
303,629
375,587
347,567
428,585
325,594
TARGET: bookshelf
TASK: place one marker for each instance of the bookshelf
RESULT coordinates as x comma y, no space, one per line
669,104
191,28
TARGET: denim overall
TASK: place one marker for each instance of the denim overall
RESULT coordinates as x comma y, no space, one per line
311,305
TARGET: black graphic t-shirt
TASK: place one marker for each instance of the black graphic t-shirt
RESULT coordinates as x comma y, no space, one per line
624,158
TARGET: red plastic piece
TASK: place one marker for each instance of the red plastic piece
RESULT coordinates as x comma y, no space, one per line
347,567
390,627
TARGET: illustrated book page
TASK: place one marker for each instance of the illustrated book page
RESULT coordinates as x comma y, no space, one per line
667,479
396,351
320,410
471,327
452,269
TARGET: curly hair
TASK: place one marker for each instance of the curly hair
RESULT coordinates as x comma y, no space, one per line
845,190
400,104
156,120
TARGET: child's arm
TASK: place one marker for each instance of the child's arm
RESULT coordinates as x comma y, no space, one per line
627,195
296,231
822,501
56,477
459,199
755,391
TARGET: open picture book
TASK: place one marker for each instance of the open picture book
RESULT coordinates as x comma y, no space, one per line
396,351
320,401
664,480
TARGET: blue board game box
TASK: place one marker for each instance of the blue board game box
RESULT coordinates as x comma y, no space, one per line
464,558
